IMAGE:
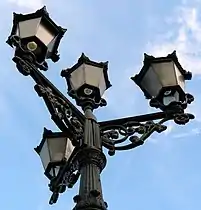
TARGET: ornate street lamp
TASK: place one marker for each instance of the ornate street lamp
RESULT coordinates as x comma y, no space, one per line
77,151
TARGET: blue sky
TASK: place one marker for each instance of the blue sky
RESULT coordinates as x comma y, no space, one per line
162,174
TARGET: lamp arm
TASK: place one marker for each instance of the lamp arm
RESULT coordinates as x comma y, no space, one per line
138,118
132,132
65,115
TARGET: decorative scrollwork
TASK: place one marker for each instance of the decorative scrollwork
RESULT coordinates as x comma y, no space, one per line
66,116
61,113
22,66
154,102
71,176
117,134
66,178
70,172
182,118
92,200
137,129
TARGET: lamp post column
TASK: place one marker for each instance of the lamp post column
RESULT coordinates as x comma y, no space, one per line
92,161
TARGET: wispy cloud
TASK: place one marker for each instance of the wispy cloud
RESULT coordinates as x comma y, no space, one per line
192,132
30,4
185,30
170,127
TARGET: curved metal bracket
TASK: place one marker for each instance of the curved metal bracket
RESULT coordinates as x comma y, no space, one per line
131,132
65,115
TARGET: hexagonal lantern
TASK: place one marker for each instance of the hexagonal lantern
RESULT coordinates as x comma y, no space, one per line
87,78
162,78
54,150
37,33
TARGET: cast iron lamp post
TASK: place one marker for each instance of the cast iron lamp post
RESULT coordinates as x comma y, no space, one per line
77,151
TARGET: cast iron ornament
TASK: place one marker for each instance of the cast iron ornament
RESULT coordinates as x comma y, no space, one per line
65,115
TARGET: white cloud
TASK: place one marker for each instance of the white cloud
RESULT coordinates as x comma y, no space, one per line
31,4
183,35
170,126
185,38
193,132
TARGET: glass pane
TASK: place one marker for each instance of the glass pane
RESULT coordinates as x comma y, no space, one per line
44,155
17,31
54,171
94,76
44,34
151,82
166,73
69,149
28,28
77,77
102,85
51,44
171,98
180,77
57,147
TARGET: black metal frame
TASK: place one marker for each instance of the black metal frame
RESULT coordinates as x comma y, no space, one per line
148,60
137,129
89,136
85,60
49,134
45,17
81,99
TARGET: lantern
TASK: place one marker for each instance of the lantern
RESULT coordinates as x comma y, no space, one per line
54,150
87,78
37,33
163,79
